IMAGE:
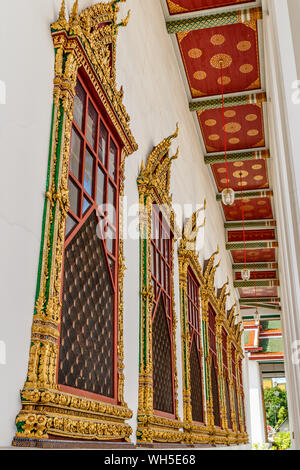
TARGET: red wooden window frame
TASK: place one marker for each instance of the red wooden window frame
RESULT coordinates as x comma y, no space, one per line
242,388
225,364
161,276
193,317
234,378
91,192
213,347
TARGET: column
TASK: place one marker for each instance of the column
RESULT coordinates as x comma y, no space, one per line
257,435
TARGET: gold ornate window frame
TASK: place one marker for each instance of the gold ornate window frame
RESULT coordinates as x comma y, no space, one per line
154,186
227,320
46,411
194,433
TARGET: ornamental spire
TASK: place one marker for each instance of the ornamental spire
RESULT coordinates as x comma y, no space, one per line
62,12
74,12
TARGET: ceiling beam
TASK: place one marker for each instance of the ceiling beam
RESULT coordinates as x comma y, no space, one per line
253,300
257,283
251,245
257,267
237,157
250,224
211,21
267,306
229,101
249,194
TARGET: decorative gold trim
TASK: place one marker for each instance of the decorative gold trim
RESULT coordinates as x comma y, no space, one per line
227,320
78,43
187,257
154,186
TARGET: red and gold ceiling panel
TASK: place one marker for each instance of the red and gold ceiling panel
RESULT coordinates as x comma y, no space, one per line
244,128
251,235
258,275
201,51
187,6
246,175
254,209
261,255
248,292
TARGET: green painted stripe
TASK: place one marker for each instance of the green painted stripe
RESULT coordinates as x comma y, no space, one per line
234,157
202,22
262,316
251,245
58,150
258,283
258,223
44,211
248,195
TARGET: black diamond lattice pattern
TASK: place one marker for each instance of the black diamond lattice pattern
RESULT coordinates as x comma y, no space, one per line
162,362
86,359
228,408
215,395
196,384
237,417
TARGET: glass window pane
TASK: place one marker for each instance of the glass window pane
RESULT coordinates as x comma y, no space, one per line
110,239
88,172
157,266
167,280
75,154
111,200
91,125
79,104
70,224
113,160
112,266
100,197
85,205
152,259
103,137
74,194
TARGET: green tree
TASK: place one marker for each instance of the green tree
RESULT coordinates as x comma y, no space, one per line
282,441
276,405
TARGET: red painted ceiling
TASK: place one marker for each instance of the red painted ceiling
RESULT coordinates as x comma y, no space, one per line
243,124
251,235
237,46
248,292
186,6
202,49
255,208
261,255
246,175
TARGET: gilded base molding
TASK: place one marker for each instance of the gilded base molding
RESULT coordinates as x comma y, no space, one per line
47,413
154,428
61,444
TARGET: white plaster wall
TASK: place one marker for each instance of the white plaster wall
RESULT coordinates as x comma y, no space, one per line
256,404
26,64
155,100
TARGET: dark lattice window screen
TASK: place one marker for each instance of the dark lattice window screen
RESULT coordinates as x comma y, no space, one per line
237,415
228,407
196,385
215,395
162,365
86,349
